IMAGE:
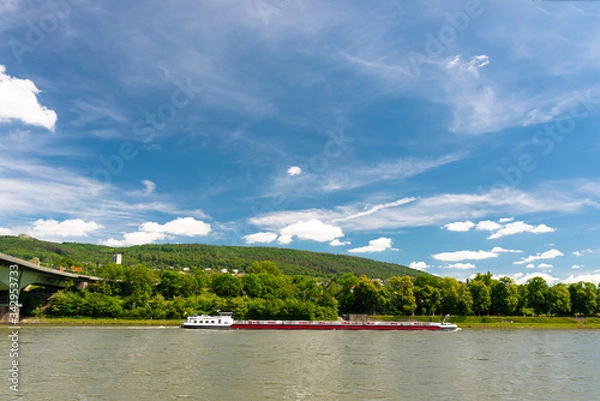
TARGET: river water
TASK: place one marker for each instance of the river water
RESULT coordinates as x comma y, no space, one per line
141,363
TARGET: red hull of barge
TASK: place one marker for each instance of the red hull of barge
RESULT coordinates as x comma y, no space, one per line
331,326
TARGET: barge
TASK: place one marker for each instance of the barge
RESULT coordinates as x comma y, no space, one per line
224,320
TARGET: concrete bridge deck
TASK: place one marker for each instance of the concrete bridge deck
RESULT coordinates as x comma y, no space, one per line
18,273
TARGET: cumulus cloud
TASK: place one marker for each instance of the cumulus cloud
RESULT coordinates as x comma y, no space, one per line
18,101
588,278
48,229
576,266
498,249
464,255
135,238
500,229
521,278
314,230
375,245
488,225
460,266
459,226
419,265
545,266
5,231
520,227
263,237
551,254
151,231
458,256
337,242
294,170
187,226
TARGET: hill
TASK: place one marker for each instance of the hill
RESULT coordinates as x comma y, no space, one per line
198,256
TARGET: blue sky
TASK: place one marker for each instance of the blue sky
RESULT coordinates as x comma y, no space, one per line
456,137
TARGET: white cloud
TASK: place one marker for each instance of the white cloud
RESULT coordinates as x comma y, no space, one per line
49,229
337,242
488,225
530,266
576,266
375,209
506,219
314,230
460,266
150,232
588,278
439,209
150,186
18,101
521,278
498,249
464,255
521,227
458,256
294,170
582,252
5,231
459,226
545,266
263,237
375,245
187,226
135,238
551,254
419,265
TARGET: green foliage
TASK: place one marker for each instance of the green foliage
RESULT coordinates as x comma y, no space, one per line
327,285
95,259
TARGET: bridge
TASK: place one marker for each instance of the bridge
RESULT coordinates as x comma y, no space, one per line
18,273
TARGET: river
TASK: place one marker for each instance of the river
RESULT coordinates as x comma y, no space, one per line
151,363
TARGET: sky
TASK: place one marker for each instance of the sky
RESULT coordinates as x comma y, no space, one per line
454,137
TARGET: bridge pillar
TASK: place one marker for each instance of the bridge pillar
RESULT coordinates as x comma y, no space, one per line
82,285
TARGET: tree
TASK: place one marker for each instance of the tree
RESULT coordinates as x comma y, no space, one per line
427,299
345,292
253,285
450,296
481,296
226,285
559,300
366,293
265,266
537,290
583,298
505,296
402,295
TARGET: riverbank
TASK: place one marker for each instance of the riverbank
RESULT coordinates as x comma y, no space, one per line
464,322
513,322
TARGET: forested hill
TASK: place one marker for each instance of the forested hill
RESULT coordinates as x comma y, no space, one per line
198,256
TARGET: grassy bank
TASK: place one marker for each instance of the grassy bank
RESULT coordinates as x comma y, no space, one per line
86,321
511,322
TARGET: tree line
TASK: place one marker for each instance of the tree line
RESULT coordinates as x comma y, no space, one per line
263,292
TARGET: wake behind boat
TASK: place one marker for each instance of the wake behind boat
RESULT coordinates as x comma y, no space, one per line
224,320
